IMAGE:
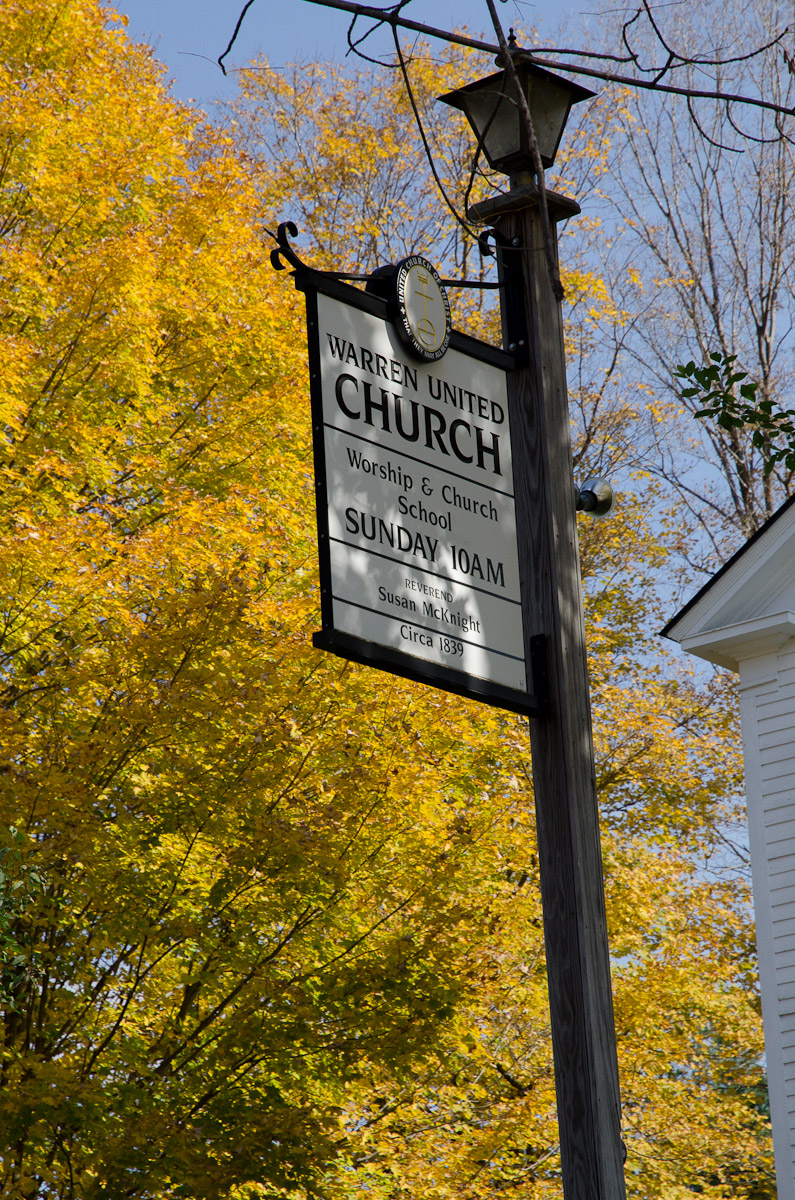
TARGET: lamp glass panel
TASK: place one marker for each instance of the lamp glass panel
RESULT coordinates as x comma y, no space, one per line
549,107
495,119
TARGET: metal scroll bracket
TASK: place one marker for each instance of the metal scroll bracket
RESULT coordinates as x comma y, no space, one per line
283,249
377,280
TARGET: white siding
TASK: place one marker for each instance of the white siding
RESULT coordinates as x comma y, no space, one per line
768,724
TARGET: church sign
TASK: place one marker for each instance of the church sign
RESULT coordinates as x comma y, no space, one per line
419,567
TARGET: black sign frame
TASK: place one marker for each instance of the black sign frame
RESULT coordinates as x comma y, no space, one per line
345,645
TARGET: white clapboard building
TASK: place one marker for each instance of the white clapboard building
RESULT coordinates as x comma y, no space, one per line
744,619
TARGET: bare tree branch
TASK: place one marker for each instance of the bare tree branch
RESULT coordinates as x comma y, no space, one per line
391,16
233,38
428,153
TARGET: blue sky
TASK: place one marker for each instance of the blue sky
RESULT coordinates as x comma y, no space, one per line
188,35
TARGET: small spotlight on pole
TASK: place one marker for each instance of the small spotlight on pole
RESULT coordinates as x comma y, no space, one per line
596,497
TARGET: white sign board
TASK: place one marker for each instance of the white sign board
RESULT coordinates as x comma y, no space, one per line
416,511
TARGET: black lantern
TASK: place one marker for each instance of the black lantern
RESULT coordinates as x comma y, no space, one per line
493,112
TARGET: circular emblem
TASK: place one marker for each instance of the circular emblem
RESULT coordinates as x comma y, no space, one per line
423,310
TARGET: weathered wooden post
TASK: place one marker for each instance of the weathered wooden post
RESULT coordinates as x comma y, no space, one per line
570,862
583,1035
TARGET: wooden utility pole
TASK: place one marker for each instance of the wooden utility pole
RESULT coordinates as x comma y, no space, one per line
569,849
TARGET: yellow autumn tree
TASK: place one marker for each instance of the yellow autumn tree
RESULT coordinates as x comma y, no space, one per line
269,922
238,908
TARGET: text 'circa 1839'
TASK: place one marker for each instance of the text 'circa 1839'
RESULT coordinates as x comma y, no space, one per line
419,494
